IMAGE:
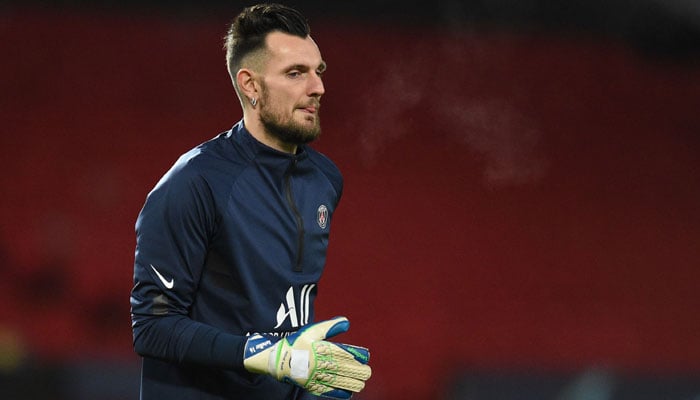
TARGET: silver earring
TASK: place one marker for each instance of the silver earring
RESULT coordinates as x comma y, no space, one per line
253,101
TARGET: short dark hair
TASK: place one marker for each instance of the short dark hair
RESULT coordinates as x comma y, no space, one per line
249,29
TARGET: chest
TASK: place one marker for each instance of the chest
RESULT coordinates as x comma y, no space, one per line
278,223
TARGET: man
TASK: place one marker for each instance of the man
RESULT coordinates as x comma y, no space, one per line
232,241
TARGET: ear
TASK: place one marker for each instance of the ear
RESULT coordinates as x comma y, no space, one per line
245,79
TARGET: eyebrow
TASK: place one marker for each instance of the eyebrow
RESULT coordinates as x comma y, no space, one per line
303,67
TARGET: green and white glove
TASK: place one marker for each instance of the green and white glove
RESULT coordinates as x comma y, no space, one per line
305,359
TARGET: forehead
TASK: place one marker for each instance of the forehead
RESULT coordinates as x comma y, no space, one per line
285,50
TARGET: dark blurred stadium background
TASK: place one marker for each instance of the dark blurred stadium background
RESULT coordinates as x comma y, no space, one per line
521,218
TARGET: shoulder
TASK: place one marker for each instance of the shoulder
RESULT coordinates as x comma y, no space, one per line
211,166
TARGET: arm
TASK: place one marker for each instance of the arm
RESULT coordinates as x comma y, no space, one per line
182,340
173,231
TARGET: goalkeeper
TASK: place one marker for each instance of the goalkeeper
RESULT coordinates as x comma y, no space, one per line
231,242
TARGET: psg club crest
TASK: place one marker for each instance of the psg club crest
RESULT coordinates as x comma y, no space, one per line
322,216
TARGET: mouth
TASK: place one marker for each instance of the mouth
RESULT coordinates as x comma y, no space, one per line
310,108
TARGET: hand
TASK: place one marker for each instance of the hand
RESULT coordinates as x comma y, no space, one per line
305,359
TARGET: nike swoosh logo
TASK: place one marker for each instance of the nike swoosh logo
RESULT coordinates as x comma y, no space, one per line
167,283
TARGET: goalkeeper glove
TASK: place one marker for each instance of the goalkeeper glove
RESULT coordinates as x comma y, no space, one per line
305,359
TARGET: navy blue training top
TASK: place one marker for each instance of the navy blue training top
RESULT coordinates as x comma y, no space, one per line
231,241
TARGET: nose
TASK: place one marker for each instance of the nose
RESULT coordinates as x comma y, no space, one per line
316,88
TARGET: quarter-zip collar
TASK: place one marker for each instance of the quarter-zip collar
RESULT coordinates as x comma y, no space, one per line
253,148
283,166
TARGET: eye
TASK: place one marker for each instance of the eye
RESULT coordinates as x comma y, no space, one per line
321,69
293,74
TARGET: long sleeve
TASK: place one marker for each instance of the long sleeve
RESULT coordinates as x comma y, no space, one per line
182,340
173,232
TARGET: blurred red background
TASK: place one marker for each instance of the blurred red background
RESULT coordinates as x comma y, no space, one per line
512,200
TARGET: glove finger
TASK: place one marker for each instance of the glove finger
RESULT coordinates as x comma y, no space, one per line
349,366
334,357
337,361
338,382
342,351
360,354
354,370
349,369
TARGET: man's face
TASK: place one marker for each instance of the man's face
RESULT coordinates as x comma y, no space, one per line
291,88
